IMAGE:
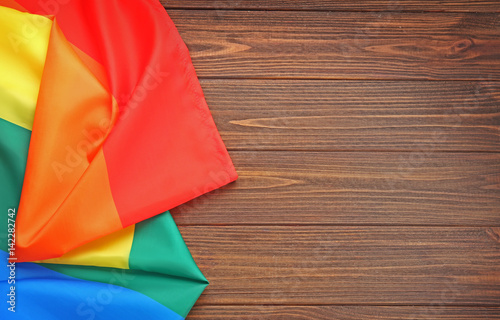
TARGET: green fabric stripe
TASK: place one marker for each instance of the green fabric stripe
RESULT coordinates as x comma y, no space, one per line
165,270
14,142
161,267
158,247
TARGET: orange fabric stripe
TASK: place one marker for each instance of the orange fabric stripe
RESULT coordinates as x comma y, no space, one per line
12,4
93,213
66,200
95,67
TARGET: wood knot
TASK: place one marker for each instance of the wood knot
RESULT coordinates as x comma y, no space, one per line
462,46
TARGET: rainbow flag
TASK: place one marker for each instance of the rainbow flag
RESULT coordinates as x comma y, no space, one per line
104,128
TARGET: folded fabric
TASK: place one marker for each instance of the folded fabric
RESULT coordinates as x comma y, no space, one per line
103,125
121,131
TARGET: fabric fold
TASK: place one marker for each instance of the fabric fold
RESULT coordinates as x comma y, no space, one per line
138,141
103,129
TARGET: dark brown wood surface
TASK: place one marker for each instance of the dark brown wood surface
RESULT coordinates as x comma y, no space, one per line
436,312
340,5
342,45
344,188
356,115
367,139
293,264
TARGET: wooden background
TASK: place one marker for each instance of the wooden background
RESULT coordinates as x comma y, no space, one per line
367,138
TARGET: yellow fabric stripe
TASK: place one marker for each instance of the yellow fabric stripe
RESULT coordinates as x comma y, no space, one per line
23,49
112,251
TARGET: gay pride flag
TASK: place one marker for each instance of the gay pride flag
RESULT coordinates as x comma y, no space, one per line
104,128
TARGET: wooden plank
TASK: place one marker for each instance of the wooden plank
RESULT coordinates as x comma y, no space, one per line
340,5
356,115
309,265
259,312
343,188
342,45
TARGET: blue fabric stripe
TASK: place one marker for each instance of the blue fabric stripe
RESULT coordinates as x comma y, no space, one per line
45,294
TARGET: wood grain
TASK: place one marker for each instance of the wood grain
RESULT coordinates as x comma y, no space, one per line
342,45
309,265
367,139
261,312
342,188
340,5
356,115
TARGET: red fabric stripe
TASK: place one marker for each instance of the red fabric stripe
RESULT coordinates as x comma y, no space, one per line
164,149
